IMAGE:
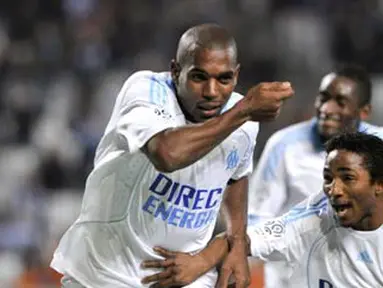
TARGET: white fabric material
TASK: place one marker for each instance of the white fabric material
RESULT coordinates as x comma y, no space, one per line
129,207
320,253
289,170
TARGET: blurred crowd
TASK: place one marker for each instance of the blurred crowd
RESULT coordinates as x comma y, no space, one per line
62,63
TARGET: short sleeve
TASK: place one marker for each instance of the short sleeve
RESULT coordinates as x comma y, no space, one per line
245,167
289,236
139,115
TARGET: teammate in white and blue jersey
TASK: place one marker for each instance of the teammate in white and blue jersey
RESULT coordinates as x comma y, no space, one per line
291,164
175,144
332,239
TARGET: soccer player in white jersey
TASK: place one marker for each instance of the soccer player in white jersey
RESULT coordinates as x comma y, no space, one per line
332,239
178,146
290,166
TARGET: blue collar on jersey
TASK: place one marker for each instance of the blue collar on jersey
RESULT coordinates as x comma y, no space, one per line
317,143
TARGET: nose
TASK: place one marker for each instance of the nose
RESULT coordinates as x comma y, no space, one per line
329,107
334,189
211,89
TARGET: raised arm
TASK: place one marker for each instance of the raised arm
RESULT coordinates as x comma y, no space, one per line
176,148
179,147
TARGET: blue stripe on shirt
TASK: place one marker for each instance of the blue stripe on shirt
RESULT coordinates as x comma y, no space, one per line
158,93
151,90
293,135
371,129
295,213
306,211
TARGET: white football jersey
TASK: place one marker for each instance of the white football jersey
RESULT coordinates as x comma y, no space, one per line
289,170
129,207
321,253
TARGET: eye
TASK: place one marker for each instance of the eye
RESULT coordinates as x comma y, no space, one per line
198,77
322,98
225,79
327,178
342,102
348,178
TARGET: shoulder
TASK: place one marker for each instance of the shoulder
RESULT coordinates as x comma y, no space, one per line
315,211
148,86
143,77
291,135
371,129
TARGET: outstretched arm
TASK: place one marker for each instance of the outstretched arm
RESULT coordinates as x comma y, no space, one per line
176,148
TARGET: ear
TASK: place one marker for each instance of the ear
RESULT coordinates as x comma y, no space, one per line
236,74
175,70
379,189
365,112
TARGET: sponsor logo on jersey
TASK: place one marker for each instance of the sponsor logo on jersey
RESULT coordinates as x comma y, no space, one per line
325,284
182,205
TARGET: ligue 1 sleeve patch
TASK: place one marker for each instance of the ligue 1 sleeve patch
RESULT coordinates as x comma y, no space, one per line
272,228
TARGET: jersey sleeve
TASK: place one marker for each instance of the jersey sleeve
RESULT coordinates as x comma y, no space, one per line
245,167
289,236
268,183
139,115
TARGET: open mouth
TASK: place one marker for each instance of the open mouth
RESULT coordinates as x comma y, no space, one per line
341,209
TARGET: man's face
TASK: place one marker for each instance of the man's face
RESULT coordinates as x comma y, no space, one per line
348,186
337,106
205,85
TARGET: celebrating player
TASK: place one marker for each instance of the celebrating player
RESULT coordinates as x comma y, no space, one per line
178,146
290,168
332,239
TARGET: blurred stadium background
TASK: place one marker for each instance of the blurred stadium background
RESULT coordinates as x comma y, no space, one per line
63,61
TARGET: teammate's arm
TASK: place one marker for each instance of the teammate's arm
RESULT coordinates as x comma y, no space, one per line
176,148
281,238
288,237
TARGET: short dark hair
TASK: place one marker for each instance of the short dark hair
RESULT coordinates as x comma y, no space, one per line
361,77
370,147
204,36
